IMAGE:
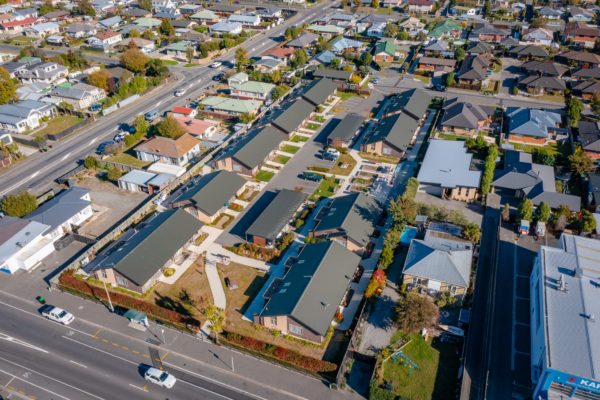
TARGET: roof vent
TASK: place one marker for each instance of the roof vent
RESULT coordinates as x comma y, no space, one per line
325,305
589,317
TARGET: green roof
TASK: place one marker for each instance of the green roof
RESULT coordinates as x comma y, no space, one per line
179,46
255,87
148,22
444,27
386,46
205,14
326,29
231,105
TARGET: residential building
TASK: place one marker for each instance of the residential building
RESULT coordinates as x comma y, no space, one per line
199,128
392,136
42,30
435,64
293,117
180,151
313,290
538,36
143,24
447,171
225,107
438,47
544,68
564,332
64,213
238,79
211,195
345,131
593,200
342,44
589,138
446,29
583,59
420,6
473,70
579,14
269,64
143,45
412,26
488,33
586,73
327,31
338,76
247,20
180,111
437,264
79,30
143,181
111,22
529,52
223,27
247,155
104,39
466,119
49,72
80,95
179,49
349,220
139,256
550,13
522,178
274,219
581,34
413,102
533,126
23,244
319,92
384,51
205,17
253,90
18,26
24,115
538,85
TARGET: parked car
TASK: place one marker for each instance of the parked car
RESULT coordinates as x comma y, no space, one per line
57,314
218,77
119,137
160,378
103,146
329,156
151,115
179,92
333,151
311,176
439,88
216,64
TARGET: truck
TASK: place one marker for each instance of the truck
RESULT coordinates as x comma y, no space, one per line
540,230
524,227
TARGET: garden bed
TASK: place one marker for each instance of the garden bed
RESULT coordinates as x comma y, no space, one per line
376,158
265,176
281,159
223,221
128,159
288,148
299,138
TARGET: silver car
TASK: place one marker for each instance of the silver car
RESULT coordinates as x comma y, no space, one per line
160,378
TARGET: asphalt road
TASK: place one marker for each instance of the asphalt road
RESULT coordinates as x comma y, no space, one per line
38,171
45,360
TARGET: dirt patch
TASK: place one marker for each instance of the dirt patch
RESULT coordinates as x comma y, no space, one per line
249,281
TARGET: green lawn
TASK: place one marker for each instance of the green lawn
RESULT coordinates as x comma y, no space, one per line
191,65
346,95
434,377
449,136
170,62
326,188
265,176
127,159
344,165
551,148
313,126
20,40
299,138
424,79
290,149
376,158
281,159
57,125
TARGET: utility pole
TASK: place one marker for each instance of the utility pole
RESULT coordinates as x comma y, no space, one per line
112,309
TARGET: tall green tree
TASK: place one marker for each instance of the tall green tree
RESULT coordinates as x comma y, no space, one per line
542,212
574,109
459,54
415,312
166,28
134,60
526,209
18,205
580,162
8,87
169,128
588,222
85,7
145,4
241,58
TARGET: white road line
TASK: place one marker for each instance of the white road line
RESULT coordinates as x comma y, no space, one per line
36,173
137,387
205,389
94,140
4,336
65,156
99,350
79,364
52,379
32,384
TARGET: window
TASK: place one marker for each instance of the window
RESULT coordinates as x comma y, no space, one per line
104,274
273,320
387,151
295,329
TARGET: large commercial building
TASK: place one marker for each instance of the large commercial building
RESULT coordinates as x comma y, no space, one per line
565,336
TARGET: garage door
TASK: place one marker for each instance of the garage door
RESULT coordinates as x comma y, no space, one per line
432,190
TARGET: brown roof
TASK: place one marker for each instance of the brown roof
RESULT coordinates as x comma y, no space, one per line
168,147
279,52
437,61
106,34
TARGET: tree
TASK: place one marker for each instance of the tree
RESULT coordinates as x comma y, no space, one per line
189,54
459,54
488,169
216,317
588,222
91,162
279,91
596,103
145,4
410,190
403,35
99,79
113,174
391,30
449,79
169,128
166,28
560,217
155,67
574,109
18,205
241,58
403,210
141,126
487,8
580,162
542,212
8,87
366,59
526,209
537,22
506,212
472,232
299,58
134,60
85,7
377,281
46,7
375,3
415,312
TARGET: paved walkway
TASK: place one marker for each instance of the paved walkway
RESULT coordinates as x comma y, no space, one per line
214,281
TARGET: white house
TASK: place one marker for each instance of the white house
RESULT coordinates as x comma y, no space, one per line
247,20
42,30
44,72
24,115
538,36
68,210
105,39
234,28
23,244
178,151
80,95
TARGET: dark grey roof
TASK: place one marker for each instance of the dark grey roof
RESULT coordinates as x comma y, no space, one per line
464,115
61,208
355,215
255,147
141,251
412,101
213,191
331,74
594,188
315,285
544,68
587,73
529,51
479,48
293,116
306,39
536,181
544,82
276,215
473,67
397,130
589,87
347,127
319,91
589,135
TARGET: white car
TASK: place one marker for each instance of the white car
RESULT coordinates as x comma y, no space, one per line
160,378
216,64
179,92
333,152
57,314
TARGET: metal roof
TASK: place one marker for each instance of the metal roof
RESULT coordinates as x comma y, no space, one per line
276,215
448,164
255,147
531,121
347,127
332,74
142,250
315,285
319,91
16,234
293,116
213,191
355,214
61,208
412,101
397,130
137,177
572,337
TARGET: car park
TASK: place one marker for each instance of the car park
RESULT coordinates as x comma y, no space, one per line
160,378
311,176
57,314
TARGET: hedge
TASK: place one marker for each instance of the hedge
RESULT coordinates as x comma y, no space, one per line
69,282
279,353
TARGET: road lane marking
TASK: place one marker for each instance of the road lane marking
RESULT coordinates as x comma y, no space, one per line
97,333
94,140
143,389
65,156
165,356
34,385
5,337
206,390
79,364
